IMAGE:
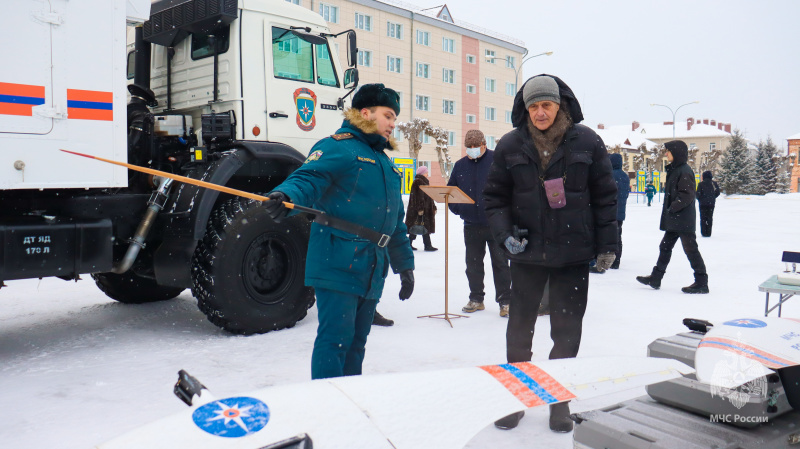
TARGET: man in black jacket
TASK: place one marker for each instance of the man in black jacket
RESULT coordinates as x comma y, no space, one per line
707,193
551,200
678,220
469,174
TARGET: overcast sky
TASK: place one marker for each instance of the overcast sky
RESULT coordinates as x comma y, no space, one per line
739,58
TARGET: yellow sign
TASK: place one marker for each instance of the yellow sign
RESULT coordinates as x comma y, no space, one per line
657,180
696,180
407,168
640,181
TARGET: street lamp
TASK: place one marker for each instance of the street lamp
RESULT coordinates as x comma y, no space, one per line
516,69
674,112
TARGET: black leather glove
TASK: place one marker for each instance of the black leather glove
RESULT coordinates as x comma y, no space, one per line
275,207
406,284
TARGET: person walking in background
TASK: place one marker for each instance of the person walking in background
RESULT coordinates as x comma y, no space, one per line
349,176
421,210
707,193
550,180
650,190
623,190
678,220
469,174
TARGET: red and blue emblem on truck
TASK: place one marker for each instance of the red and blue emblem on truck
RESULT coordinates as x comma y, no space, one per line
306,103
19,99
90,105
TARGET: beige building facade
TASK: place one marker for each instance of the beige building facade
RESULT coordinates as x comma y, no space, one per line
439,66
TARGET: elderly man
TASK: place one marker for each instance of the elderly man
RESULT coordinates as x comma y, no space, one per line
551,200
469,174
349,176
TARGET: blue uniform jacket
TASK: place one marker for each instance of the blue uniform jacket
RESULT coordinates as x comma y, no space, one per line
351,178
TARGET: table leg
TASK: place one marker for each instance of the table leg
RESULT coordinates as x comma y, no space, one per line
766,308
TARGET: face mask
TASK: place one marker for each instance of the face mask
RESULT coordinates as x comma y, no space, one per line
474,152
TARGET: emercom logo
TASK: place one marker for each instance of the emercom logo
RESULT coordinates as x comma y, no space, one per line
733,370
731,418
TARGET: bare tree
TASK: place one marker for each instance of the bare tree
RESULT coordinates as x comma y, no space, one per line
445,163
419,127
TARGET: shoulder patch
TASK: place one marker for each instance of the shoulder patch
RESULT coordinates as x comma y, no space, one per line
342,136
396,170
313,156
367,160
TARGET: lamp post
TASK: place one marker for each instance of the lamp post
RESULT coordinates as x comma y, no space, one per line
517,69
674,112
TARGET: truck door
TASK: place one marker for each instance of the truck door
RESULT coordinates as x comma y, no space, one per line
26,89
302,89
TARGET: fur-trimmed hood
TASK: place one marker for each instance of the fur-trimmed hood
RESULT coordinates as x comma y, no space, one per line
353,117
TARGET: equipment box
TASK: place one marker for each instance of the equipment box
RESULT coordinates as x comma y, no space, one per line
643,423
748,406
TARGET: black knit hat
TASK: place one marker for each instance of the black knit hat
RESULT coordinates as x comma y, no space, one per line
377,94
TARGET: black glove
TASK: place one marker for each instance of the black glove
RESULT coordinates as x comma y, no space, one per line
275,207
406,284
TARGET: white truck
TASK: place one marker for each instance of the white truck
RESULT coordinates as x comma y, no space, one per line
232,92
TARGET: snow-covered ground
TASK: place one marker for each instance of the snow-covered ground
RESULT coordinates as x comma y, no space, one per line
77,369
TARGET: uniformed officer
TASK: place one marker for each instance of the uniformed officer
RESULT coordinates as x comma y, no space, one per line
348,176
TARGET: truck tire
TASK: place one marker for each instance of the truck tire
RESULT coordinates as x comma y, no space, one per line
248,271
130,288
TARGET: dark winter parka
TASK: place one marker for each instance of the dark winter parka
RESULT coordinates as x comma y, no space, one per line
707,191
420,201
350,177
470,176
623,185
678,212
514,192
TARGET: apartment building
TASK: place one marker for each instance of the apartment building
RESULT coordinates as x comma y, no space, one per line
793,145
457,75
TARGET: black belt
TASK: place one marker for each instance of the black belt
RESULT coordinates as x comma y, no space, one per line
347,226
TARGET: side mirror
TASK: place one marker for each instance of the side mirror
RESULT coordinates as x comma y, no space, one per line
351,78
352,49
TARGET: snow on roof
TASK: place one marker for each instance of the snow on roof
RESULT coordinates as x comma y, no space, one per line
794,137
624,137
662,131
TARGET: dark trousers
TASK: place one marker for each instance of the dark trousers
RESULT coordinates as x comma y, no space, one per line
618,252
426,239
569,288
689,242
706,220
476,239
344,323
649,199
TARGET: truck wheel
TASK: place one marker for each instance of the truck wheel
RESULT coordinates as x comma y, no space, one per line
130,288
248,271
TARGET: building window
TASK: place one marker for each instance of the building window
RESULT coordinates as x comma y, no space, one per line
508,116
471,118
394,30
451,139
394,64
490,85
400,97
363,22
448,45
692,146
423,70
712,146
365,58
448,107
470,59
510,89
510,61
423,103
449,76
490,56
329,12
490,142
470,89
423,38
426,138
490,114
296,2
398,135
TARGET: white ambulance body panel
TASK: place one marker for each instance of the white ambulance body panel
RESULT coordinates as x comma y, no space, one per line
66,59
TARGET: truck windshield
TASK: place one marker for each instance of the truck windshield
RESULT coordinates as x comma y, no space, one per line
291,57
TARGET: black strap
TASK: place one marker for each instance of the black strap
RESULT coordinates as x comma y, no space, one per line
347,226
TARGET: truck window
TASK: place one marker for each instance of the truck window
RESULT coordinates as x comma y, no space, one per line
201,47
326,75
131,64
291,56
